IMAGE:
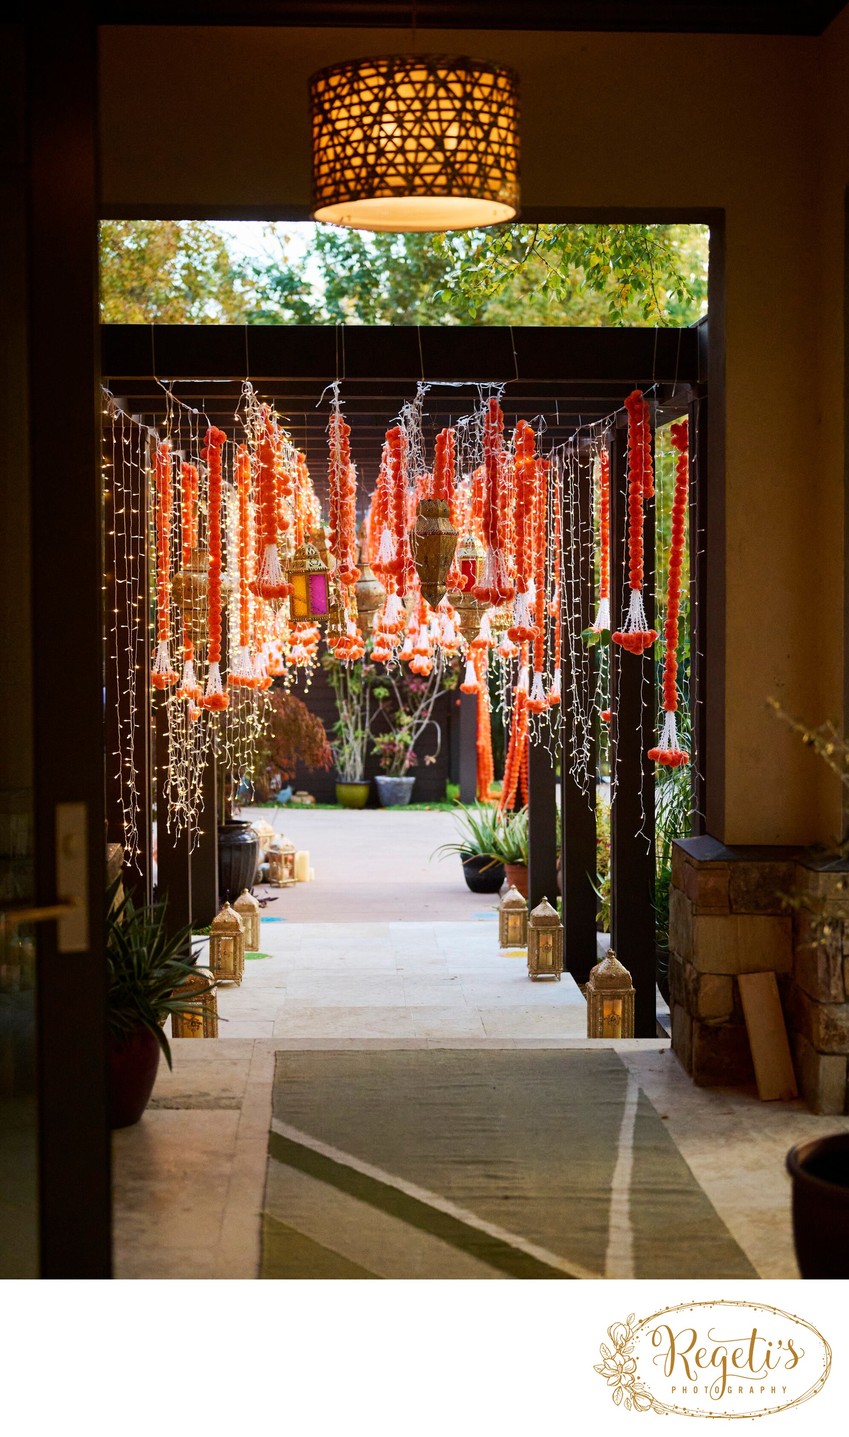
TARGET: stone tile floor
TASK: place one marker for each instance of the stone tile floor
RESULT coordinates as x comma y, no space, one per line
189,1178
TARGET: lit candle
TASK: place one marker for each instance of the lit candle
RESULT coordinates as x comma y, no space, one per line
302,866
611,1018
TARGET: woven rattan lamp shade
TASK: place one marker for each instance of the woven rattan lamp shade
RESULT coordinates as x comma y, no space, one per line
415,143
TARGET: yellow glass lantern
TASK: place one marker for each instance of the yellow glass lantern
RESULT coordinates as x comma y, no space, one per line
545,942
415,143
610,1000
227,946
248,910
201,1020
513,920
281,862
310,597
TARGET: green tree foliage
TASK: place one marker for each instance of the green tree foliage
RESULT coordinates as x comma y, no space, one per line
514,274
168,272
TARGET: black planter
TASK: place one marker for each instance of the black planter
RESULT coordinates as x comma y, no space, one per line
481,874
820,1174
238,853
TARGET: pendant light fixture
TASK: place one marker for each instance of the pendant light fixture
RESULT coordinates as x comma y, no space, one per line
407,143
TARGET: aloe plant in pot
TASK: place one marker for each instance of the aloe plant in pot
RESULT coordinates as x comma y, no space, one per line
478,831
510,846
145,970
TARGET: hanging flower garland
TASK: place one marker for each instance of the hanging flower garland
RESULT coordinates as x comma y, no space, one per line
554,606
515,765
270,582
214,697
524,446
483,734
163,674
602,618
189,688
242,668
494,586
635,635
537,698
342,498
669,752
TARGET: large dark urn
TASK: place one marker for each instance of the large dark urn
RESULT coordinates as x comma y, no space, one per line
133,1063
819,1171
238,855
482,875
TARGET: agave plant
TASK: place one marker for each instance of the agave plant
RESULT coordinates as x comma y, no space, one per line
145,969
478,827
510,838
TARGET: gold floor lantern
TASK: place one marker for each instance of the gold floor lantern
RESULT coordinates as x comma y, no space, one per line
545,942
513,920
201,1020
414,143
227,946
248,910
281,862
610,1000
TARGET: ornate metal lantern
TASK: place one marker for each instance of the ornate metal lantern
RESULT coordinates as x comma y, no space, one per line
370,595
310,598
227,946
201,1020
248,910
281,862
189,591
469,560
513,920
545,942
412,143
610,1000
433,540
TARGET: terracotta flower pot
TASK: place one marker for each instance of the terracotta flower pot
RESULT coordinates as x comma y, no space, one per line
517,875
819,1171
133,1064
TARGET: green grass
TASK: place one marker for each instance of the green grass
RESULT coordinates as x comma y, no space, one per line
443,805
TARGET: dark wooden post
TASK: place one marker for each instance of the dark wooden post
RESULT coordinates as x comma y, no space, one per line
578,809
468,747
632,807
174,869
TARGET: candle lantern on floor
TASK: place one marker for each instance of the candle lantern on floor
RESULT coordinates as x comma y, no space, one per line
545,942
610,1000
281,862
248,910
227,946
513,920
308,576
201,1020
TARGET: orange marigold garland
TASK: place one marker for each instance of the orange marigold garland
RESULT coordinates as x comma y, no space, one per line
189,688
214,698
537,699
602,618
635,634
495,586
554,695
270,582
524,445
242,668
342,499
483,735
516,762
163,674
669,752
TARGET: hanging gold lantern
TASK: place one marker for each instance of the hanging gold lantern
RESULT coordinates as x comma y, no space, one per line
469,560
308,576
469,613
227,946
281,862
201,1020
337,616
513,920
433,540
610,1000
370,595
189,591
412,143
248,910
545,942
499,621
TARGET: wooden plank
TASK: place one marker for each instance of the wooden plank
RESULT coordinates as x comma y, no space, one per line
468,752
767,1037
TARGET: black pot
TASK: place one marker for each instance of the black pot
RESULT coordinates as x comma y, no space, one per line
820,1174
238,854
481,874
133,1062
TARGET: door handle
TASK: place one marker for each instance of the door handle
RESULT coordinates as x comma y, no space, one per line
22,913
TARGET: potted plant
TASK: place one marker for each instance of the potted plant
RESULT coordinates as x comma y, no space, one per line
295,736
145,969
478,827
405,703
510,847
352,686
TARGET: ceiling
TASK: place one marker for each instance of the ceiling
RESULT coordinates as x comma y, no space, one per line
756,17
570,377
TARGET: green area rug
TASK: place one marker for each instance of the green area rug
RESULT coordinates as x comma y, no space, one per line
440,1163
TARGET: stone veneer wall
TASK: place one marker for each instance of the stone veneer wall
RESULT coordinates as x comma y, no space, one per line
746,910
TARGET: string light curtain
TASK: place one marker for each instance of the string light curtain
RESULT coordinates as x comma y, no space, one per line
415,143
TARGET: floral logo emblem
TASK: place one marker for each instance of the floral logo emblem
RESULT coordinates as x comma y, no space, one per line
619,1369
